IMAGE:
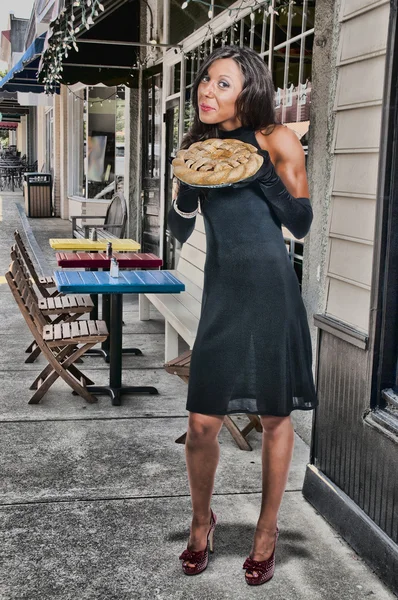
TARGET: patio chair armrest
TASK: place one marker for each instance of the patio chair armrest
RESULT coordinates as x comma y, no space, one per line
74,217
106,226
86,230
110,228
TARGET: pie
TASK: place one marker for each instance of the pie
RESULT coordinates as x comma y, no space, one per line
216,161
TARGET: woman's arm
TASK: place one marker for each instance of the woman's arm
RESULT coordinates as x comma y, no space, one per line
186,199
286,187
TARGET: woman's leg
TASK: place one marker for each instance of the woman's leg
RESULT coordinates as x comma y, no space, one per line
202,453
278,441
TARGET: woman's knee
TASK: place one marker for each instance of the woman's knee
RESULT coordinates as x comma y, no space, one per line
275,424
204,427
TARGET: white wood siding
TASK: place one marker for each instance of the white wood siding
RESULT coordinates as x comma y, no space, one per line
356,141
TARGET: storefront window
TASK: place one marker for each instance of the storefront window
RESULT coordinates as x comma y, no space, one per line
101,139
152,131
96,125
82,139
97,134
259,33
77,119
186,21
188,112
176,78
120,136
157,126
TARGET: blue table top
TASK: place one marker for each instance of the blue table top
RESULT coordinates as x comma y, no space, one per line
130,282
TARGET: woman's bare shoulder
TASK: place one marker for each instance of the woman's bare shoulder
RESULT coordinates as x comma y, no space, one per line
279,142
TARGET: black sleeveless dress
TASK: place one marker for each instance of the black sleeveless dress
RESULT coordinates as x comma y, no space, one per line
252,352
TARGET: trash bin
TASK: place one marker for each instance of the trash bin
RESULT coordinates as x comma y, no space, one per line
38,194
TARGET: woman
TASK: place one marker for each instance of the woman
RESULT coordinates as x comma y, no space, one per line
252,353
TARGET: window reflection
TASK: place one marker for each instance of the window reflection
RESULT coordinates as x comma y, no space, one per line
104,140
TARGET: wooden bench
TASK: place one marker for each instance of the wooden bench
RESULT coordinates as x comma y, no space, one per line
180,366
114,225
62,344
182,313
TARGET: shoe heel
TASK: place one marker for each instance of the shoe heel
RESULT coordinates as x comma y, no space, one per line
211,541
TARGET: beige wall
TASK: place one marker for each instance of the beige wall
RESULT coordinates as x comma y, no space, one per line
355,150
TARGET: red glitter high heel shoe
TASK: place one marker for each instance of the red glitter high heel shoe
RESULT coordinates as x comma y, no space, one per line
201,558
264,568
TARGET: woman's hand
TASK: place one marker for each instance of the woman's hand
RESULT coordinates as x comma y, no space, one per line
265,172
181,186
185,195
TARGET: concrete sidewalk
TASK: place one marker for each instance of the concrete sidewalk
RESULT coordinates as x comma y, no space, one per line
94,500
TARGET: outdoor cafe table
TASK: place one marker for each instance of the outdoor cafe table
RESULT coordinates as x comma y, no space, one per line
99,260
131,282
10,171
76,244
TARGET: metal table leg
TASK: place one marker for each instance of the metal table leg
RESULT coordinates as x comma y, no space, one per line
94,298
115,389
94,317
105,346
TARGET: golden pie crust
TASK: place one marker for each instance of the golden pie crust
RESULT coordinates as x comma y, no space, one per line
216,161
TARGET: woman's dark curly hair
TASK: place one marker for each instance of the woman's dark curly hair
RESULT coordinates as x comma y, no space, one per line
254,105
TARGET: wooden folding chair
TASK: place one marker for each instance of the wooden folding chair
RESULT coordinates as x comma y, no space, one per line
61,308
42,283
61,344
181,366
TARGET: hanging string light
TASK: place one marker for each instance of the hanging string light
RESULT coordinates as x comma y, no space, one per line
62,38
260,6
64,31
92,102
282,5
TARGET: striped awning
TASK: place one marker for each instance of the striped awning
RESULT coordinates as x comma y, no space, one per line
23,76
104,53
6,125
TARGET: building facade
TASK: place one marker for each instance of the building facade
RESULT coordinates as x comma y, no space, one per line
334,65
350,284
350,279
